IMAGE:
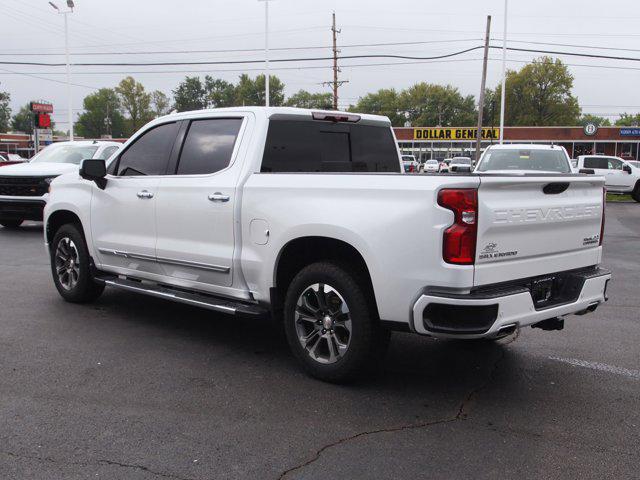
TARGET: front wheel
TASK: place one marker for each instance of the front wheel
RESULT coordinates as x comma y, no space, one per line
70,266
11,222
636,192
331,325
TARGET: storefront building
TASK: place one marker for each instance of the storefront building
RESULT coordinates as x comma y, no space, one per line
434,142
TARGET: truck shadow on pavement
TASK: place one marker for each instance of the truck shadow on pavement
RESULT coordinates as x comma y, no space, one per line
411,359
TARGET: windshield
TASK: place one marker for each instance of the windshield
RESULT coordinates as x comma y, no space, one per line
523,159
432,162
462,161
65,154
634,164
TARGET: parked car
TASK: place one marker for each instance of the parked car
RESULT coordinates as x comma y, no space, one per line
24,187
411,165
460,164
7,159
537,158
444,165
634,163
621,177
431,166
247,211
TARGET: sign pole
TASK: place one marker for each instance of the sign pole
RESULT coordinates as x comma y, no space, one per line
482,87
503,92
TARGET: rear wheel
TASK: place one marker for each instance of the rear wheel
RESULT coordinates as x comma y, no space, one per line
330,324
11,222
70,266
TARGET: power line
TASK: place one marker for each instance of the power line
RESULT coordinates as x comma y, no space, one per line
313,59
236,50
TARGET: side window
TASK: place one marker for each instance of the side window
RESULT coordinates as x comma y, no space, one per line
107,152
149,154
208,145
596,162
614,164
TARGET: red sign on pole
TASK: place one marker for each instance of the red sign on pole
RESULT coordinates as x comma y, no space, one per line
38,107
44,120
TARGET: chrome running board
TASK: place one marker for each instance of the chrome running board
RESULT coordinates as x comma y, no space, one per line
209,302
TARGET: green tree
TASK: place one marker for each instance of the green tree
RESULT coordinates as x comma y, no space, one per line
218,93
304,99
589,118
5,111
251,91
386,102
429,104
540,95
628,120
136,103
189,95
101,115
23,120
160,103
194,94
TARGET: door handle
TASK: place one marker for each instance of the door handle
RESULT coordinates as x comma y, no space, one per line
145,194
219,197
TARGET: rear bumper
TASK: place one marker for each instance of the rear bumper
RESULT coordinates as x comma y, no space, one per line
22,208
488,312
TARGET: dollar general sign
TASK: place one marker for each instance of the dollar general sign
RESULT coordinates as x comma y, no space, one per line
454,133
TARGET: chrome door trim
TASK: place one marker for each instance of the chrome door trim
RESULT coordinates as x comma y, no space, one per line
203,266
169,261
120,253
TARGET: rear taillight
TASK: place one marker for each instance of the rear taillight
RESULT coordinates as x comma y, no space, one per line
459,240
604,204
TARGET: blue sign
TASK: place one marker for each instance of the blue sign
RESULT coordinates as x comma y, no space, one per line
630,132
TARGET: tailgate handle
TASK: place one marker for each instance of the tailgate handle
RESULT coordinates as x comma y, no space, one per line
555,188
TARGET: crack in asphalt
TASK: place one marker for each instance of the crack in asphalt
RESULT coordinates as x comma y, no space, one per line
98,462
460,415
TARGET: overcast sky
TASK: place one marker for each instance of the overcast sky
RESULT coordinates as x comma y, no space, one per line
33,27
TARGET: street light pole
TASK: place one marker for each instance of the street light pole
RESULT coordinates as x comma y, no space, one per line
69,101
504,73
266,52
70,5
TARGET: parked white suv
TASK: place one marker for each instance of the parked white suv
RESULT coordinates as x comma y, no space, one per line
24,187
303,215
621,176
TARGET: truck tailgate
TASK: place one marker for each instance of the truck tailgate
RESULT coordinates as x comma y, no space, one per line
536,225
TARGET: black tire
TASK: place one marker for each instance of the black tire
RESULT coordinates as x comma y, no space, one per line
11,222
367,342
636,192
85,289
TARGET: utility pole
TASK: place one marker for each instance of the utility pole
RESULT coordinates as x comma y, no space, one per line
335,83
482,87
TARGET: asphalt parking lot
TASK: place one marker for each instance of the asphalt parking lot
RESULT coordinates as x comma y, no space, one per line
138,388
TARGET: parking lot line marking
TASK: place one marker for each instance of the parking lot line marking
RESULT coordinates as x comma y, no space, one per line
603,367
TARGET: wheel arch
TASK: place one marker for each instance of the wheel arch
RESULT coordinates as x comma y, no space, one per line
59,218
302,251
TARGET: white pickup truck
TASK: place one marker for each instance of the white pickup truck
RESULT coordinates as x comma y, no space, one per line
621,177
308,218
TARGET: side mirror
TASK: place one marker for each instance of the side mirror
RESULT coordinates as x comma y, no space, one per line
626,168
588,171
94,169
